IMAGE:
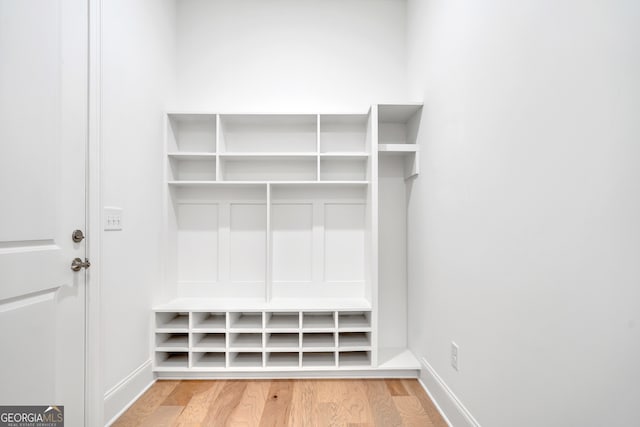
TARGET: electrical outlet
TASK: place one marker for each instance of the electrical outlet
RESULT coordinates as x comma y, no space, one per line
112,218
454,355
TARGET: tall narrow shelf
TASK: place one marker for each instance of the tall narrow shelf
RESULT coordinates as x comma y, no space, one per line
270,230
398,127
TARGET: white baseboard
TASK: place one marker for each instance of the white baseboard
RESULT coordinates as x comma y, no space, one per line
452,410
122,395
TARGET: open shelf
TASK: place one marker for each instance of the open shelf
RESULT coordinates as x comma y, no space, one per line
266,133
268,168
172,321
245,340
283,359
398,148
282,340
354,320
215,320
248,320
210,341
172,360
354,358
318,320
245,359
343,168
283,320
318,359
318,340
192,168
191,155
172,341
343,133
208,360
191,133
354,339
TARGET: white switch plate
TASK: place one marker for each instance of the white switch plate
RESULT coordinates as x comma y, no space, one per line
112,218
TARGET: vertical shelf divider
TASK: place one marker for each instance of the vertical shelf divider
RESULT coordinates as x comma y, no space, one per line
218,145
268,279
318,150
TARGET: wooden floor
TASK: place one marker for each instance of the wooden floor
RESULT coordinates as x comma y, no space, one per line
352,403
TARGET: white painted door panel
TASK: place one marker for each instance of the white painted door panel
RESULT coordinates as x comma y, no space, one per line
43,136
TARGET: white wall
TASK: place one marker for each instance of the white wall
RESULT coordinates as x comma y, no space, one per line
137,77
524,225
290,55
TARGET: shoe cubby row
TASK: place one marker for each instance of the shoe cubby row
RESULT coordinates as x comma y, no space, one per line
207,360
203,340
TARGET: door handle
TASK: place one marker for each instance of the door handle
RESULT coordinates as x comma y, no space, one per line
77,264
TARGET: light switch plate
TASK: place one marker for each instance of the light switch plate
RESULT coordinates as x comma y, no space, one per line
112,218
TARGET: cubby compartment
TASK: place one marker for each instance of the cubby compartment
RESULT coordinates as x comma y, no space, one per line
268,133
172,321
191,133
318,320
282,340
252,359
245,320
318,359
354,358
210,321
284,320
245,340
192,168
343,133
268,168
172,360
354,320
318,340
208,360
172,341
398,124
283,360
209,341
343,169
354,340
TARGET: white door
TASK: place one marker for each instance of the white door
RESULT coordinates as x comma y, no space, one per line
43,140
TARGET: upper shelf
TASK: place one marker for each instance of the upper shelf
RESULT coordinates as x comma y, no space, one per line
397,113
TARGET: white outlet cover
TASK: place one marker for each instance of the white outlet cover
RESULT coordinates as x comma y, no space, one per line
112,218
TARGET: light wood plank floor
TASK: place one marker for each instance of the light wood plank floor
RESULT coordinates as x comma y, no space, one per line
317,403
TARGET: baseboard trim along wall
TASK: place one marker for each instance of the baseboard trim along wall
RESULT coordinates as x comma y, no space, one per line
451,408
126,392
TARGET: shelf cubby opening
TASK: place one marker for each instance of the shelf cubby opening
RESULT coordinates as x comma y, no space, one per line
172,320
172,359
208,360
245,340
271,168
251,359
246,320
343,169
354,339
318,340
354,358
318,359
343,133
284,320
318,320
268,133
192,169
217,320
283,359
173,340
354,319
209,341
192,133
283,340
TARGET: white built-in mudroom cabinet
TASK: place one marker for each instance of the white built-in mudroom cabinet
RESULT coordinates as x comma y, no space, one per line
285,244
